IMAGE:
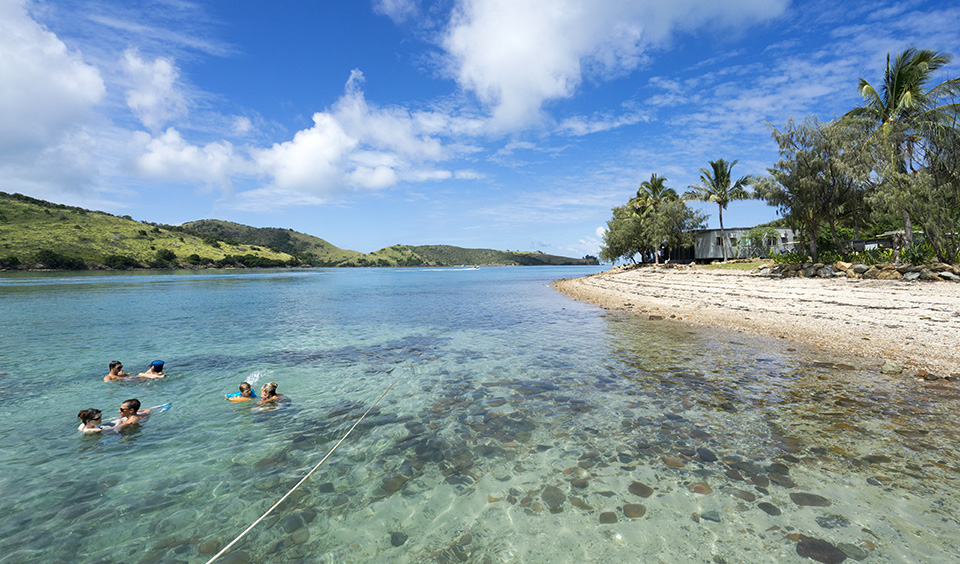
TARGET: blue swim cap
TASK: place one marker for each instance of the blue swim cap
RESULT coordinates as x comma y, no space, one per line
157,363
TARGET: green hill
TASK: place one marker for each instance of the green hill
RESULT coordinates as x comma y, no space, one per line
39,234
307,248
447,255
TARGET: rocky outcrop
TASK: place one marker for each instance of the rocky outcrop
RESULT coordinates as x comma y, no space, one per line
927,272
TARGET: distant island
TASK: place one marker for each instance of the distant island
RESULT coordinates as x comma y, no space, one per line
40,235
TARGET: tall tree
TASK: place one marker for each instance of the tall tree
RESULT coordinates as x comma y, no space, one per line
651,196
903,110
716,186
818,180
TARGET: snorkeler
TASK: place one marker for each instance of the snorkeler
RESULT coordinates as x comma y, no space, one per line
155,370
268,394
116,372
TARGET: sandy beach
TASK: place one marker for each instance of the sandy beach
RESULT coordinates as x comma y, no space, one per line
914,324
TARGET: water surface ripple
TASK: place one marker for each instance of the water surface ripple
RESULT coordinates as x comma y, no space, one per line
524,427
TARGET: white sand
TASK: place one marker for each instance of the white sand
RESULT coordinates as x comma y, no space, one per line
916,324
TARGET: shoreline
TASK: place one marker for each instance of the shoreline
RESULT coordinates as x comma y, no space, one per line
907,324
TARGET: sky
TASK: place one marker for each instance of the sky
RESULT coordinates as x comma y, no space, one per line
504,124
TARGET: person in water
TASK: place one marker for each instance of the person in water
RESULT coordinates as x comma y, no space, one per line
268,394
155,370
116,372
246,391
131,414
90,420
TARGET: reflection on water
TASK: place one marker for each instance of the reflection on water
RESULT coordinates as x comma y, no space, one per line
562,435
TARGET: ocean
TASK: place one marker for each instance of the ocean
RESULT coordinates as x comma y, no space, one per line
518,425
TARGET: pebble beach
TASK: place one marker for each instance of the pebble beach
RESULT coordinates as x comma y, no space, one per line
907,327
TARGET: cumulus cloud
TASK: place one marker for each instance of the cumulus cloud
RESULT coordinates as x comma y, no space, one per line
153,96
356,145
517,56
47,92
170,157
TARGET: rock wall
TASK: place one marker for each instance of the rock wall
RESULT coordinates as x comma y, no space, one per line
929,272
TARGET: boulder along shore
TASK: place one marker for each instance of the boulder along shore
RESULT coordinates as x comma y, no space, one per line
910,327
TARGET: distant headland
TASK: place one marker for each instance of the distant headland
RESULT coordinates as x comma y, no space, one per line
40,235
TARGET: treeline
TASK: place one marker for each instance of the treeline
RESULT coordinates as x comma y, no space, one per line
891,164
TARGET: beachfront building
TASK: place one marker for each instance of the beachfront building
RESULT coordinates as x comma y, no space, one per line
706,245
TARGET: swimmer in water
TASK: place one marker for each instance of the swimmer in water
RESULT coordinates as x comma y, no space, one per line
246,390
131,414
268,394
155,370
90,420
116,372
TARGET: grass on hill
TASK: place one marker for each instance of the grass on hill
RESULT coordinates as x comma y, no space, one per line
309,249
39,234
448,255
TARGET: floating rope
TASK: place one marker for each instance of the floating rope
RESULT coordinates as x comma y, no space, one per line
310,473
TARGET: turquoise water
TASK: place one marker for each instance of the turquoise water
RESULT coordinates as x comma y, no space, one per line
522,427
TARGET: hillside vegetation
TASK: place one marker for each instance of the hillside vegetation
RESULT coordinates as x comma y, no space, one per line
35,234
447,255
307,248
39,234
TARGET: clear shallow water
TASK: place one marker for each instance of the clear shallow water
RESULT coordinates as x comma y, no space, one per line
524,427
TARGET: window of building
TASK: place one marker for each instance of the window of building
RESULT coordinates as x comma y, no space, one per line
719,242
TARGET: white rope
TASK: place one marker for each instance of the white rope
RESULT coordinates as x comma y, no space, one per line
310,473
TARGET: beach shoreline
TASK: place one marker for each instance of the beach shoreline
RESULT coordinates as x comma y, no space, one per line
912,325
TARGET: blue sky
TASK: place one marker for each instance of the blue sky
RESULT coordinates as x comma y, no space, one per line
503,124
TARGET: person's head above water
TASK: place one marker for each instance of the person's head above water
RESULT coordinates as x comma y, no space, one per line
269,389
90,415
246,389
115,364
157,365
129,407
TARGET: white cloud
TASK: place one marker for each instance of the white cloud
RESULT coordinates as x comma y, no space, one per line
397,10
47,91
170,157
516,56
311,160
153,96
355,145
581,125
241,125
468,175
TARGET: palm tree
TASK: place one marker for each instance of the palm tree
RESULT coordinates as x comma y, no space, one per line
650,195
715,186
902,111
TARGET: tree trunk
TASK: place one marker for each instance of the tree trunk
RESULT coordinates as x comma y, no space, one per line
723,236
836,240
907,230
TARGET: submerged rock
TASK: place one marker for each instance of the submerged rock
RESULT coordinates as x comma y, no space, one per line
553,497
398,538
634,510
769,508
608,518
809,499
640,489
820,550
